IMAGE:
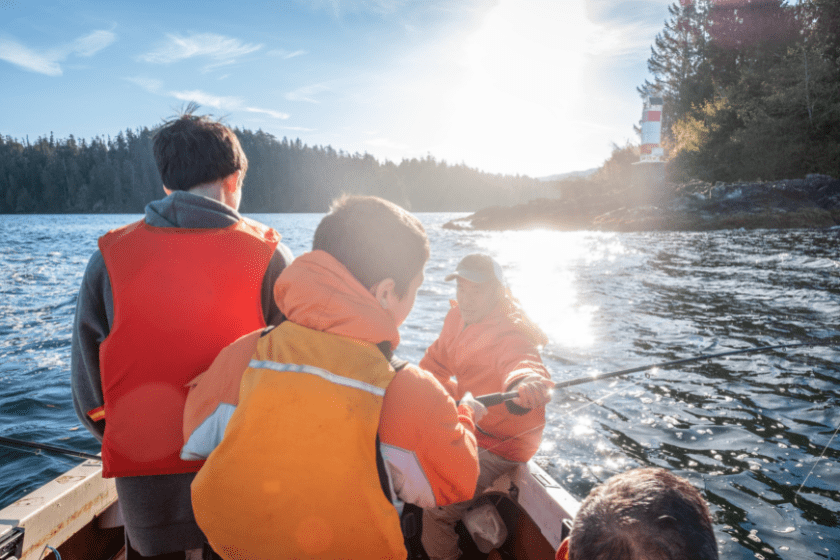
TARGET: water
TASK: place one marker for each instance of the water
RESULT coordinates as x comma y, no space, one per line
747,430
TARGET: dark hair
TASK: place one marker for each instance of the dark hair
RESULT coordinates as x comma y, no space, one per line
374,239
643,514
192,150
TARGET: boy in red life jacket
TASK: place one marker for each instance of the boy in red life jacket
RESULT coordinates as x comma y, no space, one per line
487,345
288,418
642,513
159,300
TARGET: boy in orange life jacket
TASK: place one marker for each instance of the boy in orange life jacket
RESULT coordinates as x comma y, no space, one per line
487,345
288,418
159,300
639,514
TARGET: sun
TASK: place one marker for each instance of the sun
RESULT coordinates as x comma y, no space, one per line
520,85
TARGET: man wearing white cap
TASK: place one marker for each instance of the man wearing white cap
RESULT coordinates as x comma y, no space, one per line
488,345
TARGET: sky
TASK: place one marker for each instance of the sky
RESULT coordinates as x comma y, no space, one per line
528,87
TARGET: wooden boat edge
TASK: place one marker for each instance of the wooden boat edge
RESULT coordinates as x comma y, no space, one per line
53,513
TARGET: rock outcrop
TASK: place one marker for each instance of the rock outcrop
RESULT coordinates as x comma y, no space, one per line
812,202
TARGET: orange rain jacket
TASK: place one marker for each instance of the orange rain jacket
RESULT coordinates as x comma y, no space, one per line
493,356
291,441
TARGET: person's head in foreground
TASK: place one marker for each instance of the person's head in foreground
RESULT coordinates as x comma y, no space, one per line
481,286
642,514
382,245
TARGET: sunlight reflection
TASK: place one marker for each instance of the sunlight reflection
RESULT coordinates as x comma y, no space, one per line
583,427
542,269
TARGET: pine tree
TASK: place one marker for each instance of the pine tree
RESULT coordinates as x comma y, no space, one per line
678,63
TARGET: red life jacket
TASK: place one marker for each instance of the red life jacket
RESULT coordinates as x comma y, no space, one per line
180,296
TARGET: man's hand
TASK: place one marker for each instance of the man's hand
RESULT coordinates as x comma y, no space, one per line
479,410
534,391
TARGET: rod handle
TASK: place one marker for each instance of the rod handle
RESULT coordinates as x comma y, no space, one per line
496,398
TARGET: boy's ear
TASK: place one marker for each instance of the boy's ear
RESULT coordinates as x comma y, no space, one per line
384,292
231,182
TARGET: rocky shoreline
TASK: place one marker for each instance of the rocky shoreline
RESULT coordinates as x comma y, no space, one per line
812,202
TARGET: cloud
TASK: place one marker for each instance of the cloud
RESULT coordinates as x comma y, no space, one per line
47,61
221,49
269,112
306,93
622,39
149,84
222,102
93,43
624,28
14,52
202,98
285,55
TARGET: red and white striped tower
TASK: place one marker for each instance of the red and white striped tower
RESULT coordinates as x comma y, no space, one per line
651,130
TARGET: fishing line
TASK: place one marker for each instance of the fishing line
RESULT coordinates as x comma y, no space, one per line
598,401
796,495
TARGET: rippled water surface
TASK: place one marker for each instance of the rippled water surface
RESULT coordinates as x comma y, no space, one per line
753,432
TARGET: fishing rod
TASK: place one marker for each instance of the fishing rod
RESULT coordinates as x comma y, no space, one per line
48,447
498,398
486,400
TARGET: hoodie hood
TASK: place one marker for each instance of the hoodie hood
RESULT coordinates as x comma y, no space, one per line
186,210
318,292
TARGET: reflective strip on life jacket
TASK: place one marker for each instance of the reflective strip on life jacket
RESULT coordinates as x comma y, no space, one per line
322,373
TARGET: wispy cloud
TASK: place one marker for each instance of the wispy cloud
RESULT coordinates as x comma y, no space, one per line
306,93
14,52
202,98
622,39
621,32
285,55
227,103
269,112
92,43
47,61
149,84
218,48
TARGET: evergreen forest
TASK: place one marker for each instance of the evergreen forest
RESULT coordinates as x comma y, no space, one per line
751,92
119,175
751,89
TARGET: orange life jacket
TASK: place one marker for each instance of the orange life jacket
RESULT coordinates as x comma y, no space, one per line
295,475
180,296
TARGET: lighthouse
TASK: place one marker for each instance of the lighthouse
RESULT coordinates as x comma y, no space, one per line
647,175
651,151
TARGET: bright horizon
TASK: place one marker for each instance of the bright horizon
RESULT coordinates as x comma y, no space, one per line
530,87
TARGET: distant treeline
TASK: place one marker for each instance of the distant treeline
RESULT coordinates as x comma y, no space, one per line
119,175
751,88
